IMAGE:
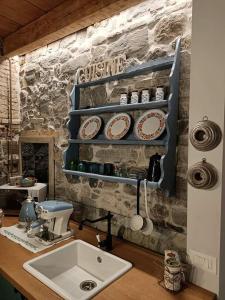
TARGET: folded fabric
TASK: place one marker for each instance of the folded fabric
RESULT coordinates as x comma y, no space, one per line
19,236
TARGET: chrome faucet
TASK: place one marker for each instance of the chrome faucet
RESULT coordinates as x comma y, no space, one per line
107,243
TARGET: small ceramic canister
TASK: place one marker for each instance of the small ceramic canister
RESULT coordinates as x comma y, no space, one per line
159,94
173,274
123,99
145,96
134,97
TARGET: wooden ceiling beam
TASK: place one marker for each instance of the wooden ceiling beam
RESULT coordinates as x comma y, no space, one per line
68,17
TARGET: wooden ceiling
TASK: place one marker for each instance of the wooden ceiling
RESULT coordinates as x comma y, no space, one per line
15,14
26,25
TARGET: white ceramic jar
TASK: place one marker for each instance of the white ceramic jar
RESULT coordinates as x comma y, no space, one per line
123,99
134,97
159,94
145,96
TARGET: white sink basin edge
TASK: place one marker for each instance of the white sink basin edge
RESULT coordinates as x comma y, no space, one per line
64,269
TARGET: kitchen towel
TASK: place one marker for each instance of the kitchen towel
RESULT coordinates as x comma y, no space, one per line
19,236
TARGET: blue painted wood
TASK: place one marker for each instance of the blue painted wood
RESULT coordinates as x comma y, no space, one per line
109,178
168,162
120,108
120,142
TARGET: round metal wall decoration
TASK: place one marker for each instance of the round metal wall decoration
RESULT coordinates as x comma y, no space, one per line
206,135
202,175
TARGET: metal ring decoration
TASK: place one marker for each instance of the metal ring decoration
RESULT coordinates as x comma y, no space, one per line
202,175
206,135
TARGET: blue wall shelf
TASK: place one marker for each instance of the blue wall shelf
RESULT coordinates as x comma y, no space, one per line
119,108
161,142
168,140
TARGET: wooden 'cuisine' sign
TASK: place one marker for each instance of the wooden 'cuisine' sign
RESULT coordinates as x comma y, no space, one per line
101,69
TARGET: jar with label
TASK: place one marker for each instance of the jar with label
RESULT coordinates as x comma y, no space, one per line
123,99
1,217
159,94
134,97
145,96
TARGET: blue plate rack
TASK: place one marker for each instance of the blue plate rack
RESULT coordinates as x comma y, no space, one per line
169,140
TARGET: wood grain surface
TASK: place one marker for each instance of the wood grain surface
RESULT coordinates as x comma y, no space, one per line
14,14
66,18
141,282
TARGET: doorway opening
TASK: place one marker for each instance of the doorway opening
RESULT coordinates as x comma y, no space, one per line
37,160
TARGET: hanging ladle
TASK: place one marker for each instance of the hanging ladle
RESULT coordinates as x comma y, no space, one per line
136,222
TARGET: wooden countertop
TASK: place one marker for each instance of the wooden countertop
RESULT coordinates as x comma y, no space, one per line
141,282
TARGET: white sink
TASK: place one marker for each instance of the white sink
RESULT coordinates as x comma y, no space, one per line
66,268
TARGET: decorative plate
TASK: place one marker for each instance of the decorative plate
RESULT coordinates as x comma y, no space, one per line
117,126
150,125
90,128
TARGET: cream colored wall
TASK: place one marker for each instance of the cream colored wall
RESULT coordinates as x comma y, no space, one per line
207,98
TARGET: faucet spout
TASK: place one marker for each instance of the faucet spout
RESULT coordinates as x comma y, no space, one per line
107,243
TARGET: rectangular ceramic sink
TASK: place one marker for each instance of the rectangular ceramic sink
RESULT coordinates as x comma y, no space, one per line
77,270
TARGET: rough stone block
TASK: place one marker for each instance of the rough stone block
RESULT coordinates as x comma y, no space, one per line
132,44
130,189
73,64
179,216
169,27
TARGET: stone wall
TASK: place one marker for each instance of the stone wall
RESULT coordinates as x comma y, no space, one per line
144,32
9,151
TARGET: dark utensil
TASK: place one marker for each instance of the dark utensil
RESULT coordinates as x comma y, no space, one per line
138,196
154,169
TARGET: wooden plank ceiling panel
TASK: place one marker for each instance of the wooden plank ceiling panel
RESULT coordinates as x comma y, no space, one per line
21,11
45,5
68,17
7,26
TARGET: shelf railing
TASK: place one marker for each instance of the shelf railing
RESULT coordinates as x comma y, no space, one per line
125,180
161,142
120,108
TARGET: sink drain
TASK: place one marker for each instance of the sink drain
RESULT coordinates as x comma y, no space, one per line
88,285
